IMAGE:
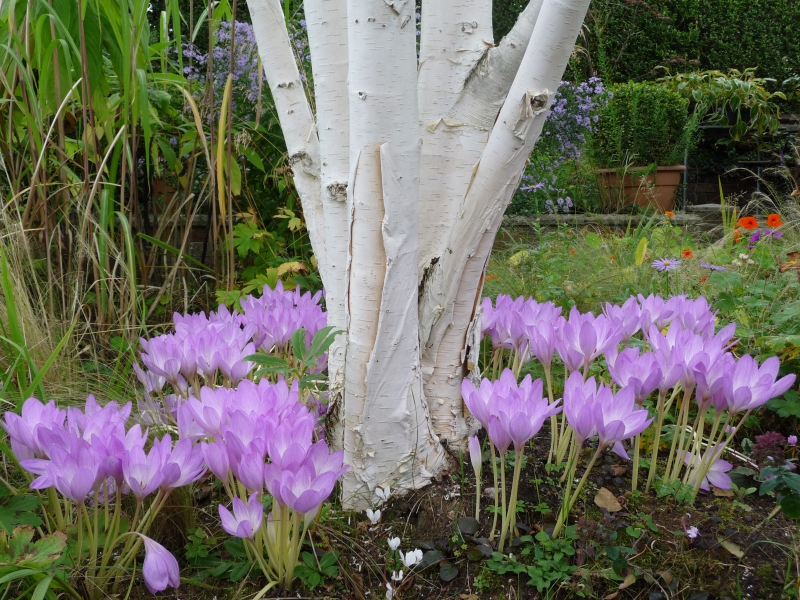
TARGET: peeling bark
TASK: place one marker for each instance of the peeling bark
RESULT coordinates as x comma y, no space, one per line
404,181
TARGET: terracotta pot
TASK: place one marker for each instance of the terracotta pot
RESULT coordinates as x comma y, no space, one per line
638,185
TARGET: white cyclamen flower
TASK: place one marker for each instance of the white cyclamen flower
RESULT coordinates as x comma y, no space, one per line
394,543
389,591
383,493
374,517
397,575
412,558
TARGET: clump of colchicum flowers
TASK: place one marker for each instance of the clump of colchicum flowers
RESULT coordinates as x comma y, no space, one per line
680,353
86,461
258,436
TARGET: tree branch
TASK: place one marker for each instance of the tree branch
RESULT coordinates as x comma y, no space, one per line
294,113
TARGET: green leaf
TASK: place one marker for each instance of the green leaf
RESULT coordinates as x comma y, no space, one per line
790,505
299,344
594,241
254,159
448,571
18,510
641,251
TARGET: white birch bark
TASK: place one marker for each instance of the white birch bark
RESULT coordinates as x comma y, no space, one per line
294,113
497,175
388,437
326,22
458,139
432,160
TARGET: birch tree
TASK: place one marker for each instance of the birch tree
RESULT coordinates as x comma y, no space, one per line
404,171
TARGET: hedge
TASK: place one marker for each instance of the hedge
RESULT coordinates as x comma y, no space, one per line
627,39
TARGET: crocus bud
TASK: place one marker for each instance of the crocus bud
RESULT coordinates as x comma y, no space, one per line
160,569
792,439
475,454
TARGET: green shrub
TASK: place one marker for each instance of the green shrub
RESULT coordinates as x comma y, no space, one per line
627,39
641,124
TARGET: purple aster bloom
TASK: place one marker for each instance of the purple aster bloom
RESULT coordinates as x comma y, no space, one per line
246,518
160,569
666,264
711,267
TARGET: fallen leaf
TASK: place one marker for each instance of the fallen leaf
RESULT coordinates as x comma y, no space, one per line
618,470
666,577
793,263
732,548
722,493
605,499
629,580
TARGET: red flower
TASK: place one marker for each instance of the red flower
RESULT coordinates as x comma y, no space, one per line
747,223
687,253
774,220
669,214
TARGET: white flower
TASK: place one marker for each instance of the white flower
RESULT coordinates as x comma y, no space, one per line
383,493
389,591
397,575
744,256
394,543
412,558
736,262
373,516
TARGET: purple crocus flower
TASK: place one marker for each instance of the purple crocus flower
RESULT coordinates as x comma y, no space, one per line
519,416
750,386
626,317
641,373
182,465
479,400
616,416
657,311
717,473
23,429
792,440
160,569
74,471
303,491
586,336
142,472
579,397
246,518
216,456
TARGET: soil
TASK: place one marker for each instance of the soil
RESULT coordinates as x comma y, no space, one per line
664,561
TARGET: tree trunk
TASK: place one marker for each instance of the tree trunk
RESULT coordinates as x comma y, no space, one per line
404,176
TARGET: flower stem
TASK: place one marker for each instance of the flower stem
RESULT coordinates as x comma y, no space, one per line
496,490
503,498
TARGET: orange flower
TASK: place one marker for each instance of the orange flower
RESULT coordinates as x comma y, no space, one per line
703,279
737,236
687,253
491,277
774,220
669,214
747,223
572,251
613,257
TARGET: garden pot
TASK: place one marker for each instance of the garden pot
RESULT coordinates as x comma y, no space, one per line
640,185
